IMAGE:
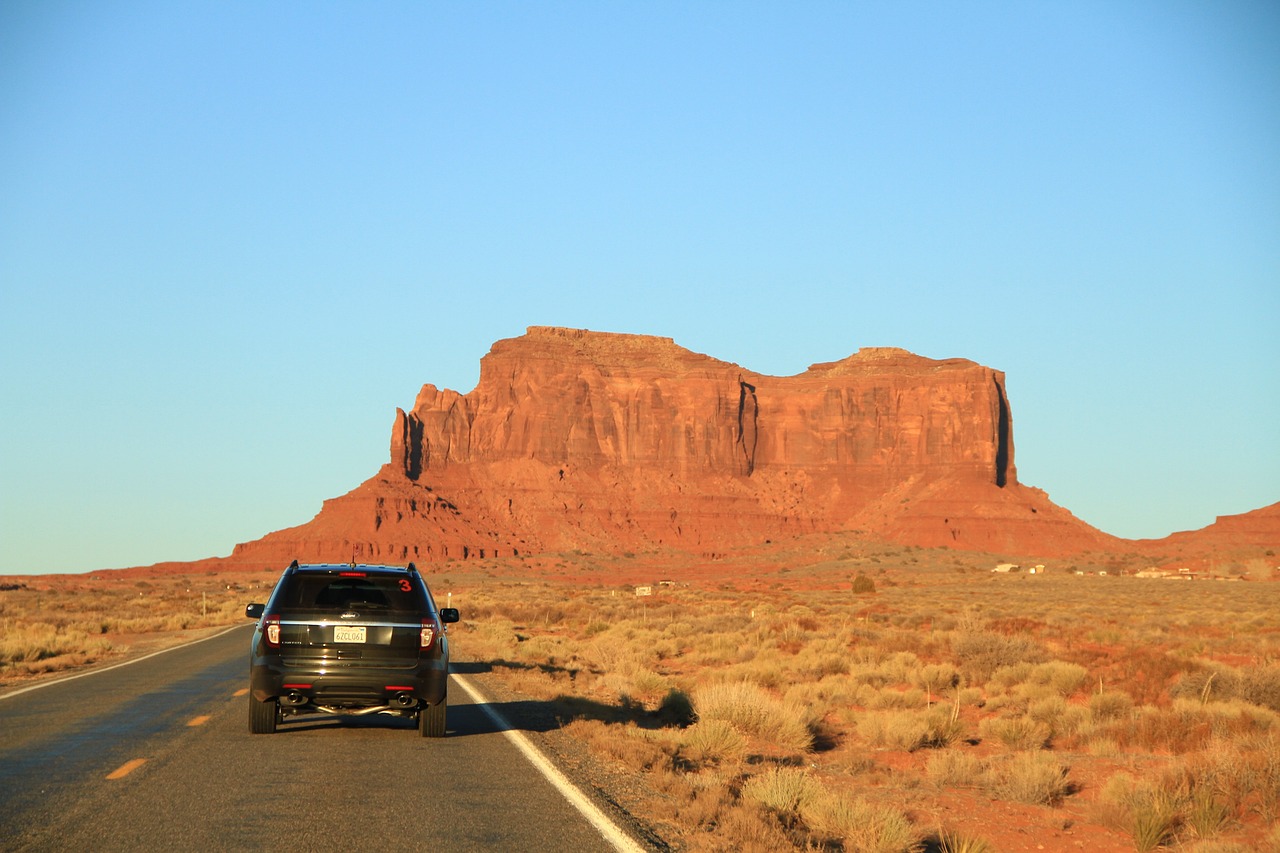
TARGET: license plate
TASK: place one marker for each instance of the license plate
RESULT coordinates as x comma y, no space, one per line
348,633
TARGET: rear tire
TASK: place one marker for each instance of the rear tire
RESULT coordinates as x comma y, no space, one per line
263,716
431,720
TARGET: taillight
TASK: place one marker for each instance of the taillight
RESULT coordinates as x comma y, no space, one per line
428,636
271,631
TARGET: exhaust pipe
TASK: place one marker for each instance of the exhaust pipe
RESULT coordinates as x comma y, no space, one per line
293,699
403,701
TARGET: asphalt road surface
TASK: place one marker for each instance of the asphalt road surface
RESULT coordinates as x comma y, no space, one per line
157,755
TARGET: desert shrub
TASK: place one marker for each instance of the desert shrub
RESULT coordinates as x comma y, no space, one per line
1260,774
635,682
712,742
748,828
700,804
860,826
817,660
863,584
627,745
1062,677
1016,733
28,643
1035,778
490,640
1065,720
1103,746
1207,684
829,692
981,654
783,790
676,709
1110,705
911,730
1230,719
1049,711
954,842
1009,676
935,677
881,671
754,711
1207,814
1146,674
1155,810
954,768
1154,824
1259,685
891,697
1175,730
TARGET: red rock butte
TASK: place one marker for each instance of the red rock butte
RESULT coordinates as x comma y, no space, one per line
615,443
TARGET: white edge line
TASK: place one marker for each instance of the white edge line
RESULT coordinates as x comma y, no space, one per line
31,687
598,819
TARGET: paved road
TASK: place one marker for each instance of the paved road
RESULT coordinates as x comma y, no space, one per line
173,729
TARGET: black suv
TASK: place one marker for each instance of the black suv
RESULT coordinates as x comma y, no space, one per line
349,639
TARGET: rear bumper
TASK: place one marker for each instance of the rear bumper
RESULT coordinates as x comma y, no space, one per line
348,686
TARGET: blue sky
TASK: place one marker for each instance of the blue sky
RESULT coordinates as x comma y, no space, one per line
234,237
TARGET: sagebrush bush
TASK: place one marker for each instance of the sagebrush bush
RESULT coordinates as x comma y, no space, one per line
1258,685
783,790
954,768
1016,733
911,730
981,654
1151,809
860,826
1110,705
712,742
863,585
754,711
954,842
1035,778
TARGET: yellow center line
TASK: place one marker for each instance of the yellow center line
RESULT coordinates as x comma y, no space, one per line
198,721
241,691
125,769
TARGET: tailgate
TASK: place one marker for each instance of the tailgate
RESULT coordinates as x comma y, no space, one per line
375,640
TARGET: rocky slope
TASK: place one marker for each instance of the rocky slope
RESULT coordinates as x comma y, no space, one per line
614,443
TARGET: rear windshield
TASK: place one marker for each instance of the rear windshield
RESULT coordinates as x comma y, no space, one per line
338,593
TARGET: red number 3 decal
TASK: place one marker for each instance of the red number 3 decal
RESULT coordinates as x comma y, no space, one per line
405,586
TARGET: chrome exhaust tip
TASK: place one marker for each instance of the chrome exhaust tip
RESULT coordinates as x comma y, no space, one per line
403,701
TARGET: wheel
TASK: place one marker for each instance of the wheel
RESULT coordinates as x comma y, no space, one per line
431,719
262,716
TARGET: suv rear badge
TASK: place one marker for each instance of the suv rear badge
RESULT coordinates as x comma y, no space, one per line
350,614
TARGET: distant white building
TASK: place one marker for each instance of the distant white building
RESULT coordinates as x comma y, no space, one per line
1005,568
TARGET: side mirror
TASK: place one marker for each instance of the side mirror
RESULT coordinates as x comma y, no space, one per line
254,611
449,614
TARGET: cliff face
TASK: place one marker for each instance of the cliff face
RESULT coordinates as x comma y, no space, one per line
591,400
608,442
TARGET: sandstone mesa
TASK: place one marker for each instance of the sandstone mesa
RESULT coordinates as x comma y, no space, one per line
617,443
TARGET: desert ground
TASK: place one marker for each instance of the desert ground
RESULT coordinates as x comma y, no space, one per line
828,694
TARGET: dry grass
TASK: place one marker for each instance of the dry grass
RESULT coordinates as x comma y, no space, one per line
766,705
52,623
937,682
